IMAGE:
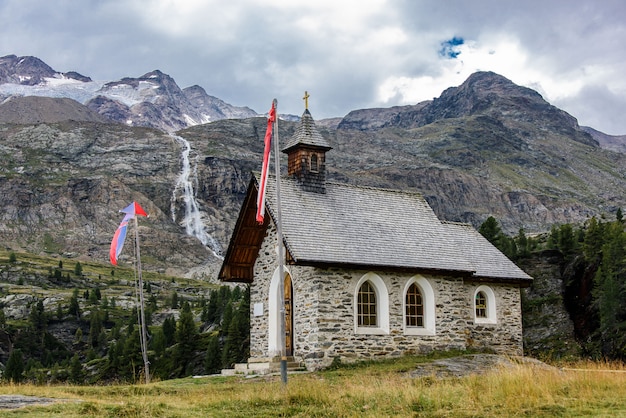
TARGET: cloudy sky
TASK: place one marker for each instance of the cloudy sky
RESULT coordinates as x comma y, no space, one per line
348,54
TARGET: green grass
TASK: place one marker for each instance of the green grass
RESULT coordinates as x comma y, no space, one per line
371,389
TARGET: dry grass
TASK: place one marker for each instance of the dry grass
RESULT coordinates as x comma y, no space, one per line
373,390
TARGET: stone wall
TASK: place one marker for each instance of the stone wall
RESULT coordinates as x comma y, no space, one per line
324,326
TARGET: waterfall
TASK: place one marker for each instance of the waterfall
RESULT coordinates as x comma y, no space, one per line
185,188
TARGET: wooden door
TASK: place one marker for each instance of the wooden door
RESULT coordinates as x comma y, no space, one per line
288,316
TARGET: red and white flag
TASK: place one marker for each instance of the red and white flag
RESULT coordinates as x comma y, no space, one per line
260,203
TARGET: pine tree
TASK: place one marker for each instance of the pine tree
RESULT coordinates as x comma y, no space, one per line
213,357
593,241
157,342
186,335
95,328
230,354
169,330
14,371
132,361
610,291
78,269
74,308
490,230
38,318
210,313
523,245
76,370
566,242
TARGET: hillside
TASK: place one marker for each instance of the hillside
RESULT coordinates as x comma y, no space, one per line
499,150
64,183
28,110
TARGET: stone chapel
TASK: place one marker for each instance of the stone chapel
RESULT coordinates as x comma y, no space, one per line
368,272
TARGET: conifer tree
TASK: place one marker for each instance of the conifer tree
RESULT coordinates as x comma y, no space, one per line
490,230
169,330
232,343
38,317
14,371
186,335
213,357
95,327
74,308
78,269
593,241
610,291
76,374
3,319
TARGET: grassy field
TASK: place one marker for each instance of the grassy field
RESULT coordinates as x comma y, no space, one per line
366,390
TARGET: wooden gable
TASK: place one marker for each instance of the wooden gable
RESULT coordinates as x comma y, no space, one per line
245,242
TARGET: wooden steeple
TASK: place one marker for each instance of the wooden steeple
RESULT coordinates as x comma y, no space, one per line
306,154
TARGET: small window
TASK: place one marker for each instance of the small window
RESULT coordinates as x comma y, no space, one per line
314,163
481,305
367,306
414,307
485,305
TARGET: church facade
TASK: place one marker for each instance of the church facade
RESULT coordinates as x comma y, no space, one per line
368,272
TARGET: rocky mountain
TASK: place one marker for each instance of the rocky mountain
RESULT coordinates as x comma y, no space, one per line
34,109
487,147
30,71
152,100
62,185
615,143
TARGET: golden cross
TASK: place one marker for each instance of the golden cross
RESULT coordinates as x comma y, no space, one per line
306,100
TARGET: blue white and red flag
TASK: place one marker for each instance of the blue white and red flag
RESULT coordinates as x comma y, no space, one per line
119,237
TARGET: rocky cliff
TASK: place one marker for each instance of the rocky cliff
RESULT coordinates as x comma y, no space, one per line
487,147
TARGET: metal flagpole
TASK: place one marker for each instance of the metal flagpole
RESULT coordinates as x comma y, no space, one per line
143,335
281,255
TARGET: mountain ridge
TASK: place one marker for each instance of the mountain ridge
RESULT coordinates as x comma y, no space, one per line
175,111
153,99
485,148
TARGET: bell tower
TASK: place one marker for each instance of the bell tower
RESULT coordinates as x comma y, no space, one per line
306,154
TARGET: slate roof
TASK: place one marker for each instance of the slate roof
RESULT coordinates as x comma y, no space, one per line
307,134
370,227
487,260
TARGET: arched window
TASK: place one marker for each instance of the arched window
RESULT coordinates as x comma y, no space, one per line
481,305
414,307
484,305
419,307
314,166
371,305
366,306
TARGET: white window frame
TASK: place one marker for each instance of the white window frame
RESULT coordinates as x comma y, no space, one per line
428,302
382,306
491,317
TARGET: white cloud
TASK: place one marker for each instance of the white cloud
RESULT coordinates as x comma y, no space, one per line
348,54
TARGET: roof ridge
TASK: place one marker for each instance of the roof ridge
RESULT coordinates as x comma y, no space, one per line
384,189
457,223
